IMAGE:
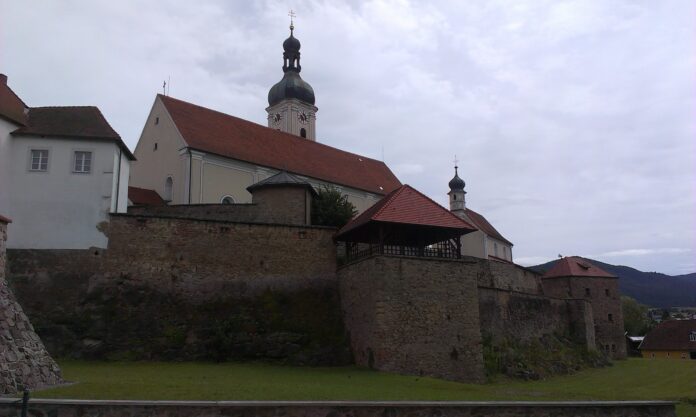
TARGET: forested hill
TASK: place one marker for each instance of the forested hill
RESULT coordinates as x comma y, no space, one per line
651,288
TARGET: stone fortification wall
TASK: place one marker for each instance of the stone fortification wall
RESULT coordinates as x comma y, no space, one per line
76,408
526,317
507,276
604,296
276,205
414,316
169,288
24,361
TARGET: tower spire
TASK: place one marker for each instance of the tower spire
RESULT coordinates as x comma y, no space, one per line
457,194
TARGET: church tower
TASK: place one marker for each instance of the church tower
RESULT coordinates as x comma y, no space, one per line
457,194
291,101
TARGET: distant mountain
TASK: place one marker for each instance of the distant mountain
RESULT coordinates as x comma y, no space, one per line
651,288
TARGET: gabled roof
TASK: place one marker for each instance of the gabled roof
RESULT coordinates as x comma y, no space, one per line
482,224
282,179
12,107
221,134
144,197
671,335
407,206
75,122
575,266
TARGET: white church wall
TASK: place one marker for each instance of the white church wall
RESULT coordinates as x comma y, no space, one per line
159,156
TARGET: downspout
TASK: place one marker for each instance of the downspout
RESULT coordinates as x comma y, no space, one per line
118,179
190,178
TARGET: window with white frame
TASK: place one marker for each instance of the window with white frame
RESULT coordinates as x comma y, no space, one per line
692,337
39,160
82,162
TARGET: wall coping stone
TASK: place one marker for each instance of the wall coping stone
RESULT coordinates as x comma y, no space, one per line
151,216
342,403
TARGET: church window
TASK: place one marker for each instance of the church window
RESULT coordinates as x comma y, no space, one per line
168,185
303,132
156,120
227,200
154,148
455,196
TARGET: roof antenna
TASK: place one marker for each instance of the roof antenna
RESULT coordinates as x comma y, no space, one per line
164,88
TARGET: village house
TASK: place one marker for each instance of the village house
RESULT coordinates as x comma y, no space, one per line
59,165
673,339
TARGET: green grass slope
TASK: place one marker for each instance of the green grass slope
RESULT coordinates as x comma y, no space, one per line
633,379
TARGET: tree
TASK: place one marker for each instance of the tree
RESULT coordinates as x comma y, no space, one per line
636,321
331,208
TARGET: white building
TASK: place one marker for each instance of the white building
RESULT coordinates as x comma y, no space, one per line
62,170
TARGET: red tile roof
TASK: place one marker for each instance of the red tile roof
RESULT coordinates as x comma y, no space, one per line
218,133
671,335
144,197
4,219
406,205
575,266
85,122
11,106
482,224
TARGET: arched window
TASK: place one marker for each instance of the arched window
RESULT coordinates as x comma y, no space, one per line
303,132
227,200
168,185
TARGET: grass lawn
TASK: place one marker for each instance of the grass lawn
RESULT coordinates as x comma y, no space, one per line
633,379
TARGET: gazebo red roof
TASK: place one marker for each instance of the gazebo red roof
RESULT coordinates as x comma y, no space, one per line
407,209
575,266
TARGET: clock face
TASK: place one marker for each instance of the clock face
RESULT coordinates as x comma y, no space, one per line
303,118
277,118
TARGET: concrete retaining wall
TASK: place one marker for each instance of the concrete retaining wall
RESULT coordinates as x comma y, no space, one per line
72,408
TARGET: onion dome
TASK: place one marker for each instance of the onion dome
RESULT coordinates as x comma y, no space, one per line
292,85
456,183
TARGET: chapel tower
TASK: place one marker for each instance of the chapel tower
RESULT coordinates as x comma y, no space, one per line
291,106
457,194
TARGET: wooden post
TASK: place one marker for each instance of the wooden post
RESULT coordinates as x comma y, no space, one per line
459,246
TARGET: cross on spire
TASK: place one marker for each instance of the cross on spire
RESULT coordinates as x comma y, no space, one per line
292,15
456,162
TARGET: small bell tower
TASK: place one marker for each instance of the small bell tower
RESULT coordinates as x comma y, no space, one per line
457,195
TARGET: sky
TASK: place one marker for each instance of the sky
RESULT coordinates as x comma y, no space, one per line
574,122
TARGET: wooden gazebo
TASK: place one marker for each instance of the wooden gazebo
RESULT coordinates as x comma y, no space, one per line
407,223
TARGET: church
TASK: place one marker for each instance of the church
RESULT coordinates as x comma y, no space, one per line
190,154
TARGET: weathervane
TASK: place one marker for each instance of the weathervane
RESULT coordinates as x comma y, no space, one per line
292,15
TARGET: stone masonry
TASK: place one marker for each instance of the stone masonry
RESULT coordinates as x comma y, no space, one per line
603,294
414,316
24,361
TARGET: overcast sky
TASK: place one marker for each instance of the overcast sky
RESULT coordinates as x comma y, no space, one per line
574,121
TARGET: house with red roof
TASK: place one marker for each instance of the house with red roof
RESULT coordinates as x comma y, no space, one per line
671,339
62,171
486,242
190,154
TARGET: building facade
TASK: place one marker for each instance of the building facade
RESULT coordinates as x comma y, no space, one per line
59,165
192,155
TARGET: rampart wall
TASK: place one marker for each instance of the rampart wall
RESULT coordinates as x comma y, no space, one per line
525,317
188,289
414,316
24,361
